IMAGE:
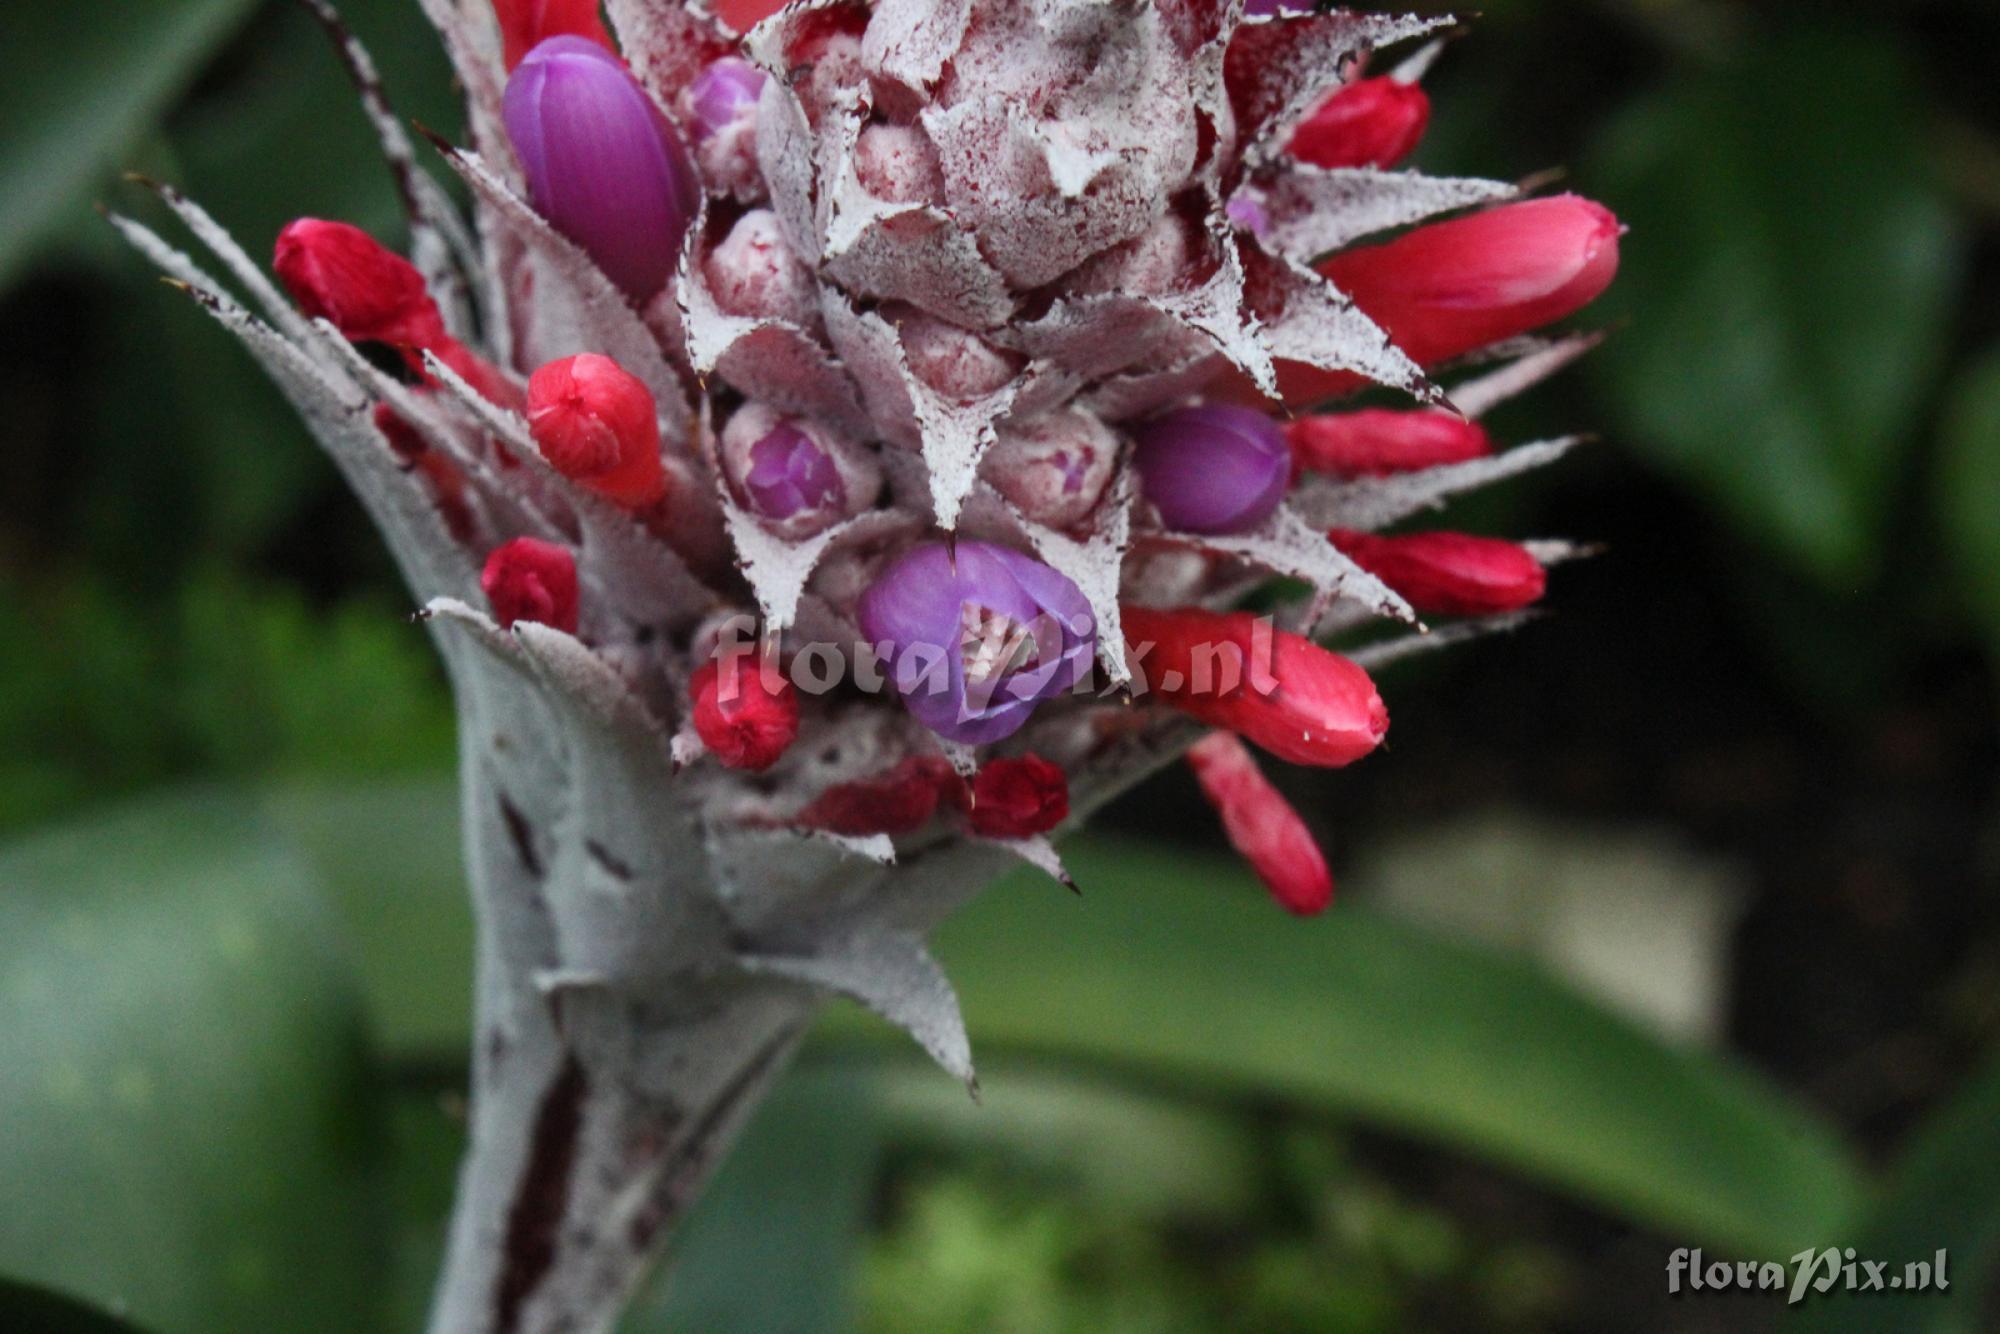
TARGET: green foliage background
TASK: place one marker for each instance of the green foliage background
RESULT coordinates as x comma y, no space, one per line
233,946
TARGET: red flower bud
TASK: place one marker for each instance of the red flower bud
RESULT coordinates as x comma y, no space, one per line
1444,289
745,719
1374,442
1368,123
1298,701
1262,825
1450,287
1019,798
524,24
341,274
530,580
1449,574
900,801
598,426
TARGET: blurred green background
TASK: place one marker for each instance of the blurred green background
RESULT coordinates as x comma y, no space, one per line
1668,922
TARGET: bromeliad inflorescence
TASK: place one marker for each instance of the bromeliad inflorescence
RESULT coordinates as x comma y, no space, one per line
835,454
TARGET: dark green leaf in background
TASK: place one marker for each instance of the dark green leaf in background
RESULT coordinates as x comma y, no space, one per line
1968,489
1943,1193
1787,281
26,1309
1178,966
82,84
190,1134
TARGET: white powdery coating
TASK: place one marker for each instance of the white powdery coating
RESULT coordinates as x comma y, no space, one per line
754,273
1313,211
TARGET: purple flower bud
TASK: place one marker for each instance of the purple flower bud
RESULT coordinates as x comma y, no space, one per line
789,473
974,637
727,90
603,165
1213,469
797,475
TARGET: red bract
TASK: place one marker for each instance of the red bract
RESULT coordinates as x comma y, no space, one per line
1262,825
341,274
597,425
1019,798
1375,442
525,24
1449,574
1295,699
900,801
744,15
746,717
1368,123
530,580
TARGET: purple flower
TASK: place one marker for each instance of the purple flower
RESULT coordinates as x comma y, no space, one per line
726,90
789,473
603,165
1213,469
974,637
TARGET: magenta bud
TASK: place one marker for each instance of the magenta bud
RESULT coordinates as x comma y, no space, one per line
798,476
723,94
789,473
1213,469
603,165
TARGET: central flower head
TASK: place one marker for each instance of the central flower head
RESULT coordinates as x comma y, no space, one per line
976,635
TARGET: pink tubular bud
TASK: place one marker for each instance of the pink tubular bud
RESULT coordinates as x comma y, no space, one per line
1262,825
1449,287
753,273
598,426
1018,798
1053,468
530,580
799,476
900,801
746,717
341,274
1298,701
1375,442
1449,574
525,24
1368,123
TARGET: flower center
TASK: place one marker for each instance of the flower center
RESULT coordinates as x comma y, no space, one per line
993,645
